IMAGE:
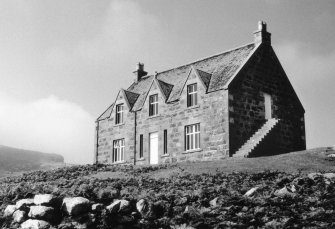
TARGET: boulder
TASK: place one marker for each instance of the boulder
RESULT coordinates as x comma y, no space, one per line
97,207
142,206
214,202
41,212
313,176
114,207
119,206
76,205
19,216
35,224
45,200
10,209
251,192
24,203
283,192
125,206
329,176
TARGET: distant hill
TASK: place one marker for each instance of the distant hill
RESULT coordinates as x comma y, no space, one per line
13,160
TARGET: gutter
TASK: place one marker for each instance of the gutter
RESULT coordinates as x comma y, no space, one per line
97,141
135,137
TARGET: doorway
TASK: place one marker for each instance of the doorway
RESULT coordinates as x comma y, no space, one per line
153,146
267,105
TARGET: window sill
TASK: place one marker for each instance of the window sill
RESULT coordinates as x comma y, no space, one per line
165,155
120,124
193,107
154,116
141,159
192,151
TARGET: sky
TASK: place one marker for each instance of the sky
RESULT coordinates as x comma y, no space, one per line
63,62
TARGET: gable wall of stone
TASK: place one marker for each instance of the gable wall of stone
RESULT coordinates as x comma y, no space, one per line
108,132
263,74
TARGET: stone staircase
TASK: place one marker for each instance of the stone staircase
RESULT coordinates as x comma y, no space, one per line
257,138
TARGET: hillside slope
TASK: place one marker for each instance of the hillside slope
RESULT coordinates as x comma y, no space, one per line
14,160
225,194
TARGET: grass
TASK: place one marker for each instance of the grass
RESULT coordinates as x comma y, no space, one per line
308,161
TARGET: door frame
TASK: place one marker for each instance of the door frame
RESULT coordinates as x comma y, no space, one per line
156,132
267,106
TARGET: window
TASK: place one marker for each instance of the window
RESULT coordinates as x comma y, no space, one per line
141,146
192,95
165,141
119,114
192,137
153,105
118,150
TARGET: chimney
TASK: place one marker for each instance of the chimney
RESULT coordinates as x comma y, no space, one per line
139,73
261,35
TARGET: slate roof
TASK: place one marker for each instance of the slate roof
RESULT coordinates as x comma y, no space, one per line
215,71
205,77
131,97
107,113
142,88
166,88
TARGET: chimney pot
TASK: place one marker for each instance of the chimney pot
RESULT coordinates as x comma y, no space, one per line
261,35
139,73
261,26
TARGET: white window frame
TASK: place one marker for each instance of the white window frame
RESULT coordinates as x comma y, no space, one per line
118,150
192,137
192,95
119,113
153,105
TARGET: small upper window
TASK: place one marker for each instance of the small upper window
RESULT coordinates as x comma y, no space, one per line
192,95
119,114
153,105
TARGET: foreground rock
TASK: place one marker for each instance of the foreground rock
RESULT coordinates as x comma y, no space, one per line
10,209
45,199
284,192
19,216
41,212
76,205
142,206
24,203
251,192
35,224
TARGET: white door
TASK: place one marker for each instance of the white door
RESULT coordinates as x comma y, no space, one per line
267,104
154,148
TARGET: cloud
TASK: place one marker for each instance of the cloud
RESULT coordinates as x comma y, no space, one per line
50,125
312,75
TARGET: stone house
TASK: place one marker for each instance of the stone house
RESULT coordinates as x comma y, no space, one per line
239,103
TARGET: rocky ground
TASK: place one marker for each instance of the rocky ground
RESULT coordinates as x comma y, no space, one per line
82,199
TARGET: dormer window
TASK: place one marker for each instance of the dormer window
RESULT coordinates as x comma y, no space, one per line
119,114
153,105
192,95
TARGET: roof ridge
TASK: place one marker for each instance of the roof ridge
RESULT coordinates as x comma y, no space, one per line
202,59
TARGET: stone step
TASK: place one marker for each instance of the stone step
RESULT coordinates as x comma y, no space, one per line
256,138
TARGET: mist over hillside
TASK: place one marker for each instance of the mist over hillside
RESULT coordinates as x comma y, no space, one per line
20,160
